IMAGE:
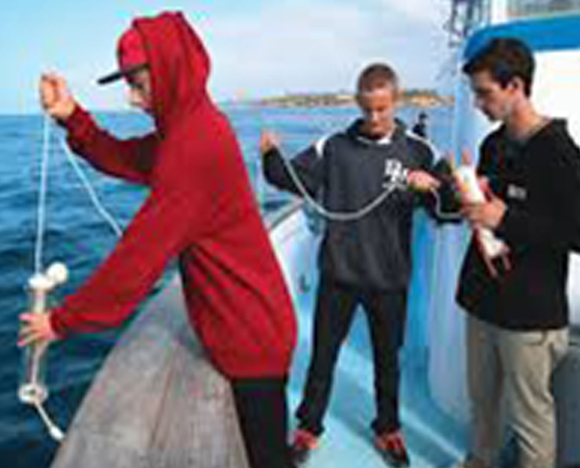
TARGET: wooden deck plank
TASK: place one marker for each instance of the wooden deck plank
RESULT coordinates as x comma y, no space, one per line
157,401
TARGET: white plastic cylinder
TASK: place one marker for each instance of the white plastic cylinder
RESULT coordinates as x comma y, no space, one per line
473,193
33,387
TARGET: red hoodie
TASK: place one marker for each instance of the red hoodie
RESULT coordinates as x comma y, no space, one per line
200,208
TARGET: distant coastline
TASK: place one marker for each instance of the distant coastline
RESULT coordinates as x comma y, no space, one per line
420,98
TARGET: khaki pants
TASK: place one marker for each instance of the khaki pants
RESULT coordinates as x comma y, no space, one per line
509,383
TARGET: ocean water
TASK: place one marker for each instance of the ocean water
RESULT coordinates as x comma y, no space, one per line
77,235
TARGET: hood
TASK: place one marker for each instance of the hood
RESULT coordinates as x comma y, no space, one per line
179,66
354,131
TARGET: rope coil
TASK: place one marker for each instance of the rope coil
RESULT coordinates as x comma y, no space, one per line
397,182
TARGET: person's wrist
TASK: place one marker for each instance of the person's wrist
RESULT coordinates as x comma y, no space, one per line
62,111
64,114
502,208
68,110
267,151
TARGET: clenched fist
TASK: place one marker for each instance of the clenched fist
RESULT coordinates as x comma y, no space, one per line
268,141
55,96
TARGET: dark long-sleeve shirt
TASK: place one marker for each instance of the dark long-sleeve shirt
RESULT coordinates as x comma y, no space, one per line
346,171
539,180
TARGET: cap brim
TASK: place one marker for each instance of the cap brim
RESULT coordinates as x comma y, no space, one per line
117,75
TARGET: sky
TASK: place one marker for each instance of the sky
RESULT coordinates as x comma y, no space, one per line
258,47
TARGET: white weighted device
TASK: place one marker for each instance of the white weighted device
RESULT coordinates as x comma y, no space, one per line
33,390
472,192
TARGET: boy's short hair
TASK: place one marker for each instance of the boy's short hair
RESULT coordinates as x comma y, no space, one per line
505,59
375,76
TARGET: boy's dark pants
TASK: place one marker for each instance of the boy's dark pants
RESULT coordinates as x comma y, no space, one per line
335,309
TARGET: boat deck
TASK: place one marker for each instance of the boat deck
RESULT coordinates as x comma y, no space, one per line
136,411
157,402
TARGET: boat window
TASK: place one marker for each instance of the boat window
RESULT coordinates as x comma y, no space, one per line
534,8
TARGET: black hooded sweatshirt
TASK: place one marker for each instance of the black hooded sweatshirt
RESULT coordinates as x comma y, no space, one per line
346,171
539,180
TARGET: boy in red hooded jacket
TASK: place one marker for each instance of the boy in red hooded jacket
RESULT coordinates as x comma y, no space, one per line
200,209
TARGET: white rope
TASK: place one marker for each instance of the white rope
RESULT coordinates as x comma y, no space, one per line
42,193
342,216
89,188
365,210
55,432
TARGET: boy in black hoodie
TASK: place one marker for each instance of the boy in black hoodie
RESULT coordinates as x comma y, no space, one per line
364,261
517,312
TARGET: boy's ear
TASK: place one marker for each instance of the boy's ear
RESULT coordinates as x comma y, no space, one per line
517,83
